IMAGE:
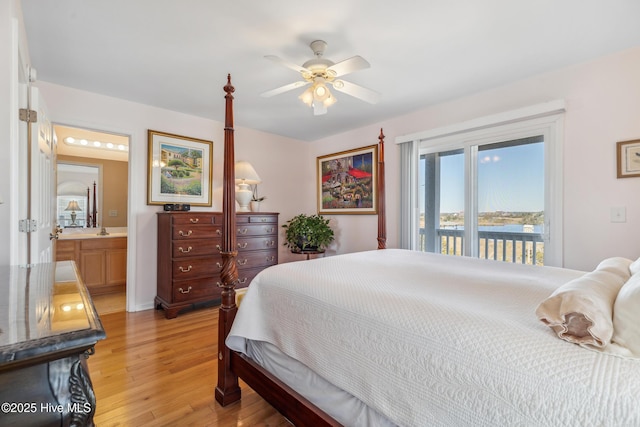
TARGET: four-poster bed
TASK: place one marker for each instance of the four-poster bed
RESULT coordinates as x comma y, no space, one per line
232,365
396,337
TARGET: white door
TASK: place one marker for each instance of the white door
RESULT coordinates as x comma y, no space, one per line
42,183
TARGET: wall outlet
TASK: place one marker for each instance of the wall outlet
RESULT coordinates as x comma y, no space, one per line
619,214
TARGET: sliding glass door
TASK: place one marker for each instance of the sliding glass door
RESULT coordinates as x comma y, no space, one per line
484,198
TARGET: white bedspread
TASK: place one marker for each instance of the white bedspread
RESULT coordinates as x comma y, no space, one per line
431,340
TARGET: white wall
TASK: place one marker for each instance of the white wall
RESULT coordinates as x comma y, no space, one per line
603,107
276,159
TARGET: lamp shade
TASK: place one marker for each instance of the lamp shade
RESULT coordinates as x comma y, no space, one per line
246,174
73,206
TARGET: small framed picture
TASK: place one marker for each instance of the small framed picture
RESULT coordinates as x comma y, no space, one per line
180,169
628,153
347,182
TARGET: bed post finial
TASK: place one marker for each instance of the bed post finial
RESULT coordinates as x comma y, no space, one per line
227,390
382,222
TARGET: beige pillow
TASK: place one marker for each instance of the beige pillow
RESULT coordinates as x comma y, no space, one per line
634,268
626,316
581,311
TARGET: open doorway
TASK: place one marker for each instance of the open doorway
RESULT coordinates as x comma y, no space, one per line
92,210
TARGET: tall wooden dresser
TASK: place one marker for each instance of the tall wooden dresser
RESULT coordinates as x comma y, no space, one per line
189,259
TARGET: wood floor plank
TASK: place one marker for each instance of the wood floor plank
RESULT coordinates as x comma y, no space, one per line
153,371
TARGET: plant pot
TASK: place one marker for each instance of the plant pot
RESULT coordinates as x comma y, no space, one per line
255,206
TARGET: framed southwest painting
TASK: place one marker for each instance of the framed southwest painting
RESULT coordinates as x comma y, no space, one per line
628,154
179,169
347,182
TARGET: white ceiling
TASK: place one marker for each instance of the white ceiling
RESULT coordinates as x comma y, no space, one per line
176,54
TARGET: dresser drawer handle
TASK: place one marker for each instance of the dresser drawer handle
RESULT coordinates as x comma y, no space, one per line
242,245
182,291
242,281
219,264
270,229
185,270
243,261
243,231
185,251
218,247
271,258
263,219
219,232
187,234
269,243
194,220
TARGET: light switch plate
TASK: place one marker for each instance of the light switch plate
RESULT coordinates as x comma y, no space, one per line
619,214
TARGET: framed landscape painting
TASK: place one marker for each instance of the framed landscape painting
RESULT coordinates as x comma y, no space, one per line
347,182
179,169
628,153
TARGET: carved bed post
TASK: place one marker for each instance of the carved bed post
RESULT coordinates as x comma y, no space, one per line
94,209
382,222
227,390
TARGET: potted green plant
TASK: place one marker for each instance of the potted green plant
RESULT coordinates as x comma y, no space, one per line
308,233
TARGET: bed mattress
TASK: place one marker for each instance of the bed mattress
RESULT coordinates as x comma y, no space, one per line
426,339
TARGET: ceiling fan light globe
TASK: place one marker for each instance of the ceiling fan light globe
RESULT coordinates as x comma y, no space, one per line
330,101
321,92
307,97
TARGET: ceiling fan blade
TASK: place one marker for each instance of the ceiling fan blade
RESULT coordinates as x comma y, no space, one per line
367,95
288,64
283,89
350,65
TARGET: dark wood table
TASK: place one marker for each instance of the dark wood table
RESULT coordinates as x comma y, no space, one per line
308,252
48,328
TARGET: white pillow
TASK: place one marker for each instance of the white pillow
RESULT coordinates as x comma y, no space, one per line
626,315
634,268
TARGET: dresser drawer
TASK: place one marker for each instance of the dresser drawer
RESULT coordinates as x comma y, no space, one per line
256,243
256,259
191,290
245,276
193,218
256,219
190,268
195,247
189,231
257,229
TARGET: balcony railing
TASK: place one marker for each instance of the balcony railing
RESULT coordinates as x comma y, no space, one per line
517,247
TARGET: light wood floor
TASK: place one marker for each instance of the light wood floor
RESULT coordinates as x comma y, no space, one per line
151,371
110,303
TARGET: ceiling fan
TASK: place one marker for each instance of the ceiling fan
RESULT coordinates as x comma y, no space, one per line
321,73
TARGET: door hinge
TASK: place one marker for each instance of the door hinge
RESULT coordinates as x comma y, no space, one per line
29,116
28,225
